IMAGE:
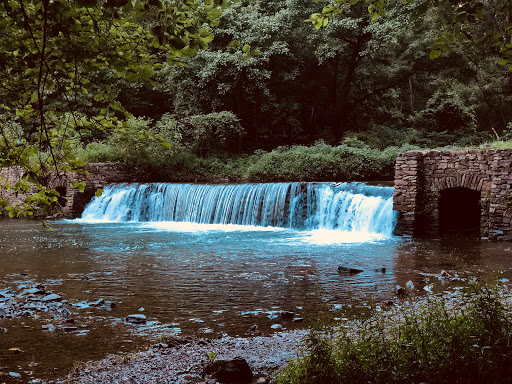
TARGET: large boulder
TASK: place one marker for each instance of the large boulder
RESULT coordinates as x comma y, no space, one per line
235,371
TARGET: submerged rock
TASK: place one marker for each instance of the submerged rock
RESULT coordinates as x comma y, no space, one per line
136,318
286,315
230,371
351,271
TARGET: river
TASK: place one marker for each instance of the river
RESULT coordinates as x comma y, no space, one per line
213,268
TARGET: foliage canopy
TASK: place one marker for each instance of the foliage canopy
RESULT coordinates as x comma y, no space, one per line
56,64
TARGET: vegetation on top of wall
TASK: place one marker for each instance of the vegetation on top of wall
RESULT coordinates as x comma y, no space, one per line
352,160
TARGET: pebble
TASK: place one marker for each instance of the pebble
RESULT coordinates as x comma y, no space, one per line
48,327
97,303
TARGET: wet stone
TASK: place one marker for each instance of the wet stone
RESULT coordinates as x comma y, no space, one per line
97,303
48,327
51,297
230,371
350,271
34,291
136,318
286,315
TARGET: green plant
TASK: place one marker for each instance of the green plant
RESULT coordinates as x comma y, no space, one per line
212,356
464,341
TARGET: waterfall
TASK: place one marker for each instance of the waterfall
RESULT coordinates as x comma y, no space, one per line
353,207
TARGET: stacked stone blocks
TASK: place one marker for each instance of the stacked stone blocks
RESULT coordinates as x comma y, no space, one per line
100,174
421,176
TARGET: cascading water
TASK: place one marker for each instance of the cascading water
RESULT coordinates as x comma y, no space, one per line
352,207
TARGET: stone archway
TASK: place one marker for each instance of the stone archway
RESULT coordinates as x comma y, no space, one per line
62,199
442,191
459,212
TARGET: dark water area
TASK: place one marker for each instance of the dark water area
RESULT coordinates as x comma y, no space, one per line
189,278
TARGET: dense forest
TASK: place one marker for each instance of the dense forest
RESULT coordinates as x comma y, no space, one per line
365,84
248,90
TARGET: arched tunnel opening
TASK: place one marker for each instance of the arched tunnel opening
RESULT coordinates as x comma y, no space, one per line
62,198
459,212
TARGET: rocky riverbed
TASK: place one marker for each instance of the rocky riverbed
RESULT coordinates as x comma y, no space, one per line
183,360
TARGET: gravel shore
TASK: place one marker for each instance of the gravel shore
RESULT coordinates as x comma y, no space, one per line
181,360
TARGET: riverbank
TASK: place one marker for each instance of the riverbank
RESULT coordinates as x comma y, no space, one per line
182,359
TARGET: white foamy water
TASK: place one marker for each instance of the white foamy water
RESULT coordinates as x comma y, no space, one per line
344,212
332,237
175,226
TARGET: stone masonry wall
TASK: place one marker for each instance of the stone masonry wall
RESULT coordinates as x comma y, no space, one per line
421,176
100,174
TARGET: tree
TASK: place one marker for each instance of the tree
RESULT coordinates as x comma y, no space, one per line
52,54
468,21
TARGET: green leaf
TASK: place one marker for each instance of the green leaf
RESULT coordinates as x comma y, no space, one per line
98,193
246,48
215,13
435,53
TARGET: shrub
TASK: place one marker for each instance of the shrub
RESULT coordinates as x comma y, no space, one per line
467,341
349,161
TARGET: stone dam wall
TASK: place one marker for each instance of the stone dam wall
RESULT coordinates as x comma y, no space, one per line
100,175
443,192
436,192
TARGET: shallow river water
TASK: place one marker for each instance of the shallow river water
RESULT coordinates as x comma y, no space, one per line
208,278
